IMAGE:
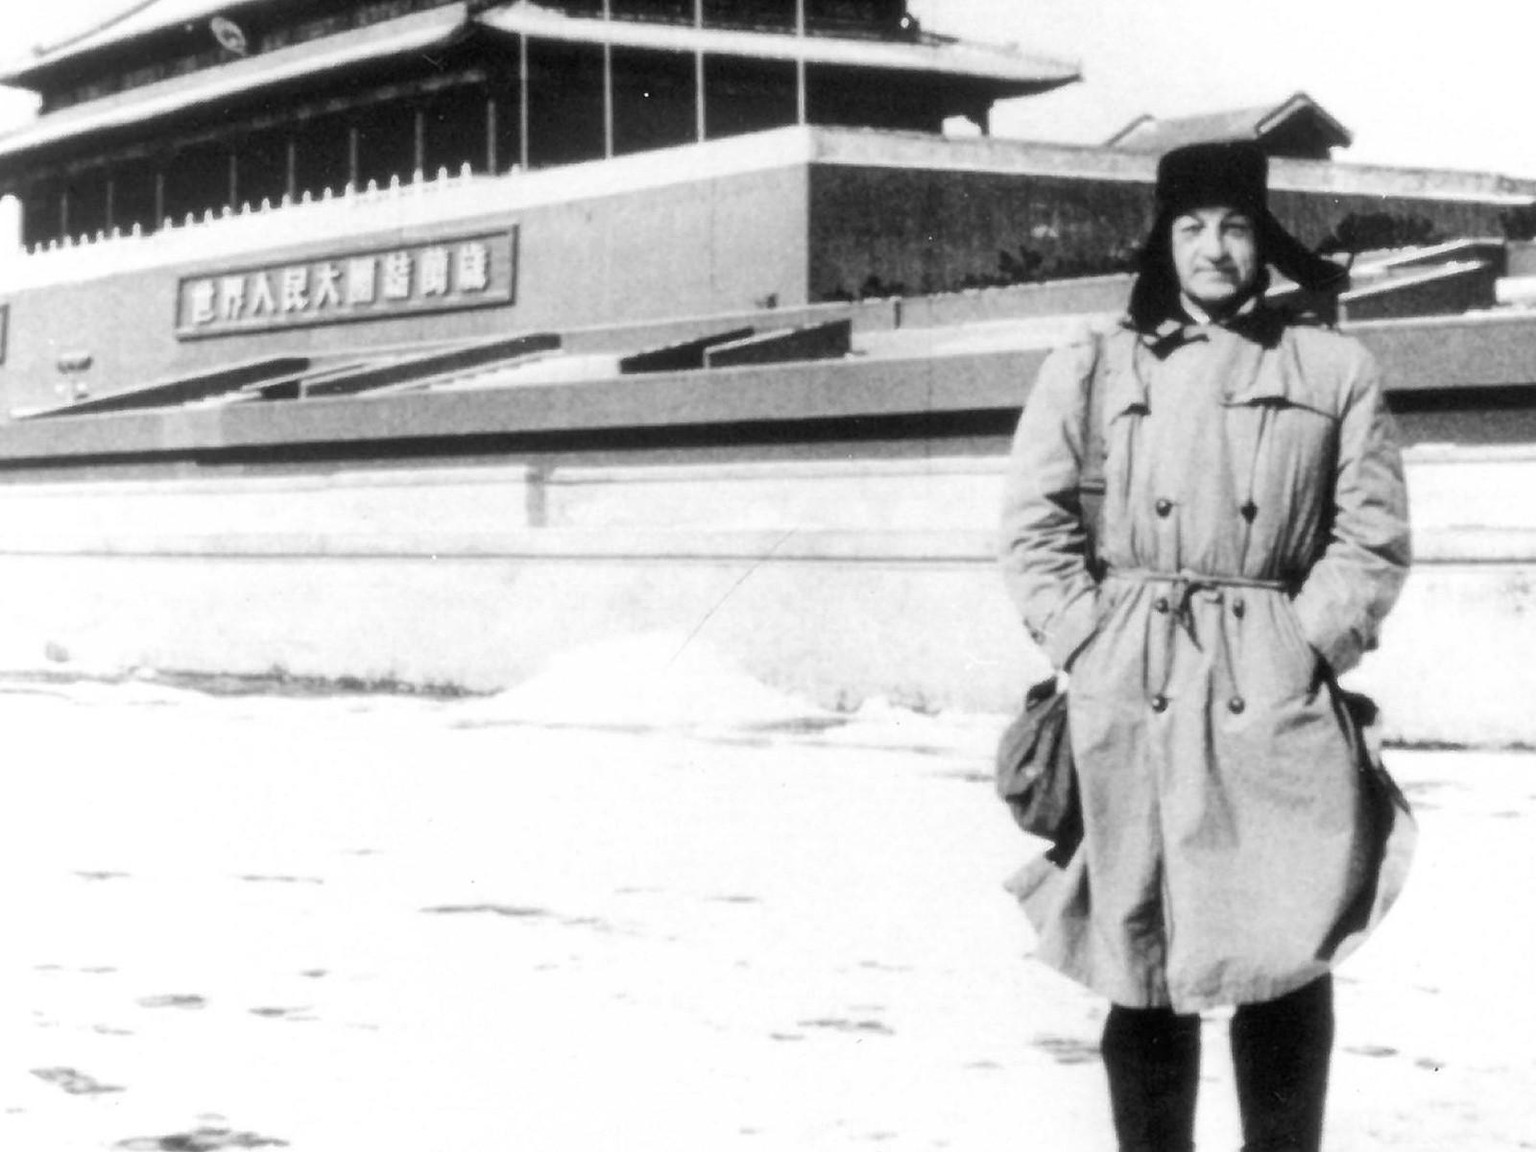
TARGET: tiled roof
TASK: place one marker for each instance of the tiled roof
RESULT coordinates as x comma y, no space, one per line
1149,134
131,21
1007,66
271,69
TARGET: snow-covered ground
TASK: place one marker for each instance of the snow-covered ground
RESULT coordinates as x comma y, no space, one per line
640,903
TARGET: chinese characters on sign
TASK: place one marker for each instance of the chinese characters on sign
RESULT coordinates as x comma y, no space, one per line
444,275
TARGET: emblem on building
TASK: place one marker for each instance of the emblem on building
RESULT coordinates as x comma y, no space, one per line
231,36
443,275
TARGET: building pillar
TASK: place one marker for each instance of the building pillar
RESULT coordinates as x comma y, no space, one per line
419,124
13,224
492,127
800,95
522,102
607,80
354,138
700,125
291,184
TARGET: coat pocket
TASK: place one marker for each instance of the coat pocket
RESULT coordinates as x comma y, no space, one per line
1273,661
1304,662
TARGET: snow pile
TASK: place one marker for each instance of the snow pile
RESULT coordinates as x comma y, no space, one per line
647,680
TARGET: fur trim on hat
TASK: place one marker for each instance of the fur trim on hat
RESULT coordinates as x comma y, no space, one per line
1227,174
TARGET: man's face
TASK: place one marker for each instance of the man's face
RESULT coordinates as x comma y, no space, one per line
1216,256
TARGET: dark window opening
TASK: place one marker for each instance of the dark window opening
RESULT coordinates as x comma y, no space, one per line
653,100
322,156
745,96
778,15
508,127
81,204
386,144
665,11
883,16
456,131
263,175
565,104
196,180
133,196
861,101
841,16
40,214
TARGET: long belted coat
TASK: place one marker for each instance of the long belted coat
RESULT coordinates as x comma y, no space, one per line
1254,535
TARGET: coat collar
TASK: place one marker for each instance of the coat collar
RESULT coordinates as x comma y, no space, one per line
1263,326
1269,377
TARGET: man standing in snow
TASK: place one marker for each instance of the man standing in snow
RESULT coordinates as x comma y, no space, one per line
1254,534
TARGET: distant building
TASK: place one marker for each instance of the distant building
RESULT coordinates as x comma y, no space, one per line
212,186
179,107
1298,128
415,342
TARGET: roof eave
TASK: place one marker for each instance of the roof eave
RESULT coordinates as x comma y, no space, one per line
1026,72
253,74
1023,73
998,73
33,70
1301,102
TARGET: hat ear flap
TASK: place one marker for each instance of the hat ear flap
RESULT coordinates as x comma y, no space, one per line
1295,261
1155,294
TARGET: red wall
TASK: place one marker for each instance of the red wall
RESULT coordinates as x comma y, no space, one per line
893,231
722,244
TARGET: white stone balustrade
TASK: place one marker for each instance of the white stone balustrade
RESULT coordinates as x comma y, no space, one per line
231,230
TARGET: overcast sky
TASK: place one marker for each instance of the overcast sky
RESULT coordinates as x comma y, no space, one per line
1430,84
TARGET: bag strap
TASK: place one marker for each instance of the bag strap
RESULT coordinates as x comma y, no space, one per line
1091,484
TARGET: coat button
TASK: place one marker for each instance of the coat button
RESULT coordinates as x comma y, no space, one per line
1159,703
1238,607
1236,705
1163,506
1248,511
1160,604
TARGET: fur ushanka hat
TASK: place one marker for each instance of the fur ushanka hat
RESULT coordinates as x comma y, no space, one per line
1229,174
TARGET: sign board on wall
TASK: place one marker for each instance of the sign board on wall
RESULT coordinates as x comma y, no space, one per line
443,275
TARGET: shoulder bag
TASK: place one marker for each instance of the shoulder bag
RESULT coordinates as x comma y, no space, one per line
1035,774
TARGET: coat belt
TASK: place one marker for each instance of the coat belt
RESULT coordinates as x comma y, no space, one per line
1186,584
1197,580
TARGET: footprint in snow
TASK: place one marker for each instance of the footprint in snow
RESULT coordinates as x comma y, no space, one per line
842,1024
1370,1050
300,1014
200,1140
73,1081
1067,1050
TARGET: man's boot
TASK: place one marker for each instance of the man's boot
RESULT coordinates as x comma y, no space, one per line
1280,1053
1152,1057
